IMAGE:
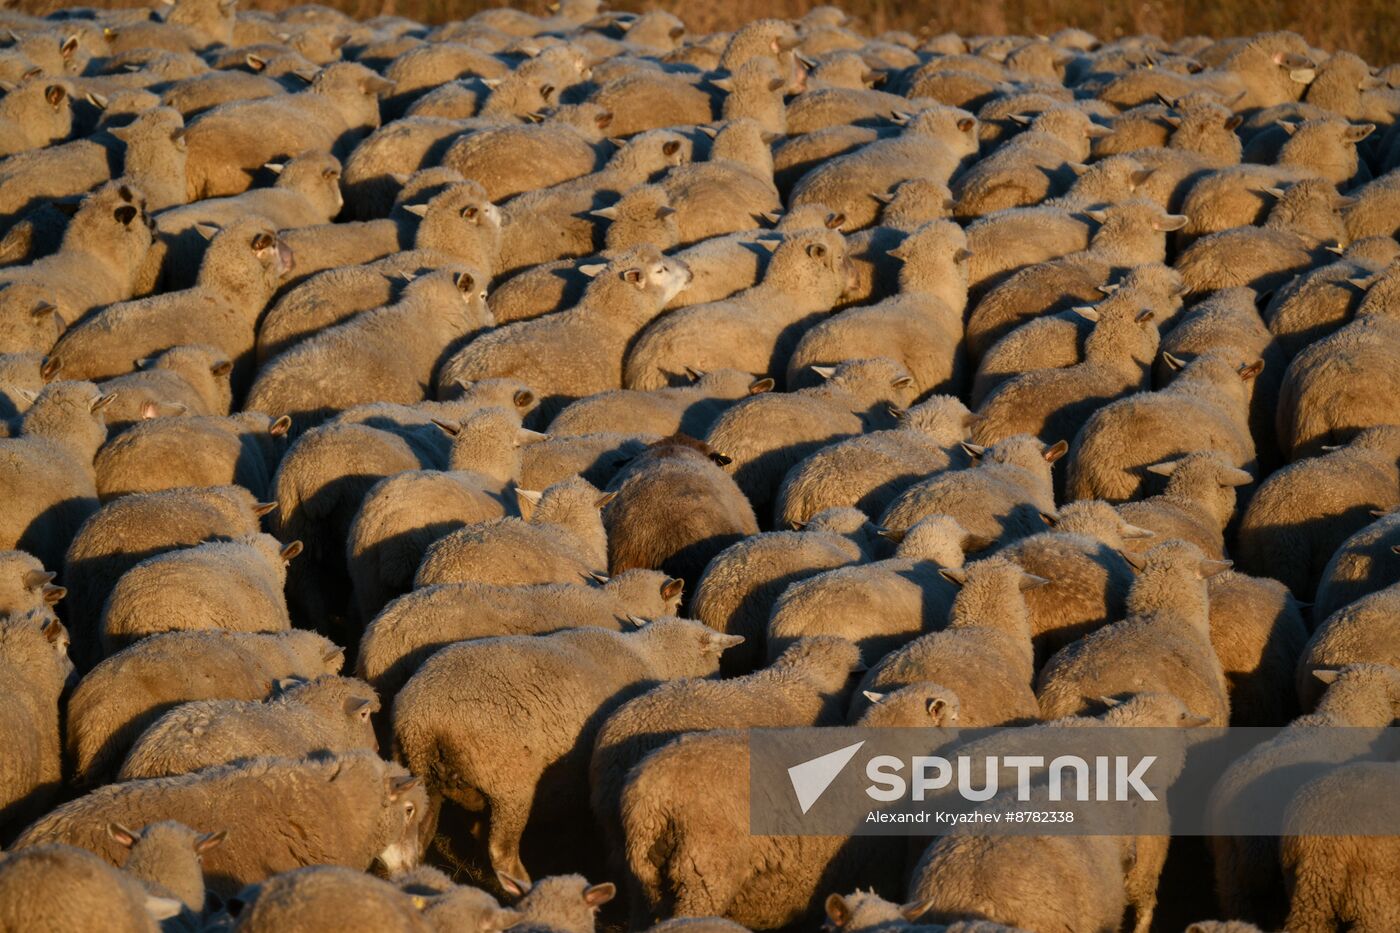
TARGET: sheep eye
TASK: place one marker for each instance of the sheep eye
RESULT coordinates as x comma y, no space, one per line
469,213
409,809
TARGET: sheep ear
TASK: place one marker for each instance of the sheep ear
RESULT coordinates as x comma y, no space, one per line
1210,568
1250,371
1174,362
710,131
50,368
1288,126
34,579
592,269
972,450
221,368
604,499
834,221
281,426
891,534
513,886
291,550
1132,532
121,835
596,895
1110,702
954,575
102,401
210,841
525,437
1079,168
1354,134
264,508
606,213
1055,451
1030,581
837,911
770,245
1097,216
163,908
1087,313
448,427
1021,118
208,231
672,588
398,786
1144,316
417,210
826,372
724,84
599,578
915,909
1326,675
872,696
526,500
275,167
1133,560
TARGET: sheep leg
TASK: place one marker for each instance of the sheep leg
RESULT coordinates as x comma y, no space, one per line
1310,908
508,819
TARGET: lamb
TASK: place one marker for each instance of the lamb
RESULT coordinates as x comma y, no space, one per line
34,669
648,99
689,409
438,220
1085,882
166,453
806,686
1372,214
307,192
1362,632
325,299
512,159
413,627
1004,241
152,159
47,477
706,512
1166,632
127,531
30,324
106,714
867,472
318,896
1319,302
96,264
326,714
1362,565
364,360
181,380
754,91
1025,169
838,97
34,115
559,538
1230,318
166,858
59,887
231,586
983,654
575,353
530,770
740,585
1258,633
1304,218
1000,497
1056,341
352,808
25,584
1089,579
237,277
764,437
1329,876
1303,513
1323,150
562,211
559,903
1204,408
879,605
1339,385
759,882
753,331
1129,234
728,193
1247,879
595,457
921,327
1196,504
405,513
230,142
933,144
1057,402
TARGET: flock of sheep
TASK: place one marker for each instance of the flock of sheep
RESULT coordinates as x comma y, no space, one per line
596,392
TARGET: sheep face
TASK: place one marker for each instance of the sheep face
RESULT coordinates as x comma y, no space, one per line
402,808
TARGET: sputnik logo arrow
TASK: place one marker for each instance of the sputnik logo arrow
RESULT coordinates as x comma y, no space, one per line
811,778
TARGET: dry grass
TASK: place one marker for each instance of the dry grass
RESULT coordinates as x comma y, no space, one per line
1371,28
